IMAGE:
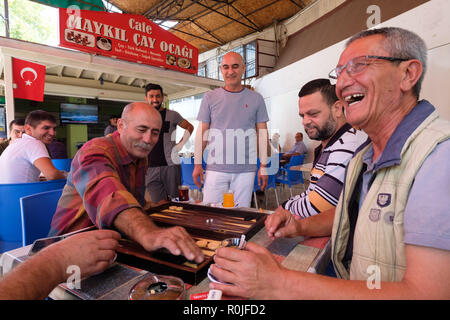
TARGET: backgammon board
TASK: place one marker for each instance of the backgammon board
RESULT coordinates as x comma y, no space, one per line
207,226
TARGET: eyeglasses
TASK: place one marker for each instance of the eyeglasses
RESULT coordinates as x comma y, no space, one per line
358,64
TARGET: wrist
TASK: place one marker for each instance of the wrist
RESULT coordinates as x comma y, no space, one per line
282,286
56,263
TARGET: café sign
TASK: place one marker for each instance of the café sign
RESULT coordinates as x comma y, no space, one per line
127,37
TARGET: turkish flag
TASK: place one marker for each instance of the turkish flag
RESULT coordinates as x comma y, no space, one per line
28,79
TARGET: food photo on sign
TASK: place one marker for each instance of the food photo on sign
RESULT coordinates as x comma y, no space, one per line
127,37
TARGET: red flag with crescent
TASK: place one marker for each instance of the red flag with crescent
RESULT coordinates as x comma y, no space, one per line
28,80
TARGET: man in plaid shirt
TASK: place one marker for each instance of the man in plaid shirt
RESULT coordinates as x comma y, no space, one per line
106,186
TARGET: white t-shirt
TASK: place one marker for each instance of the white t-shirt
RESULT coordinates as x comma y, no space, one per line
16,162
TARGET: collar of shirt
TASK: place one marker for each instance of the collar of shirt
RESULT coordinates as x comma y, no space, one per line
392,152
26,136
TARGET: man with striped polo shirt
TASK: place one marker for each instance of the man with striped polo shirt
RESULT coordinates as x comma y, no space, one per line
324,120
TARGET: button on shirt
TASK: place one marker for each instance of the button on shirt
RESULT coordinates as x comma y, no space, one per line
104,180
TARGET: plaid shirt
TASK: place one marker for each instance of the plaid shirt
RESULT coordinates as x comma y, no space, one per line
103,181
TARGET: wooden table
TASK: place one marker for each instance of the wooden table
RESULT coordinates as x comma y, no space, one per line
306,167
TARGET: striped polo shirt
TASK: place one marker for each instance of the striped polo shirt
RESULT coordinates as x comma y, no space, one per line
327,174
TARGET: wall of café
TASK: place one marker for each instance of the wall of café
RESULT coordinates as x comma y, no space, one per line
280,88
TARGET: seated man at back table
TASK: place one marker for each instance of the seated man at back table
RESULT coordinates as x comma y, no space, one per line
16,129
297,149
25,159
106,186
324,120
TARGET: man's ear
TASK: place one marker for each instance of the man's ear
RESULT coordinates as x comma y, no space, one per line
412,70
337,109
27,128
120,125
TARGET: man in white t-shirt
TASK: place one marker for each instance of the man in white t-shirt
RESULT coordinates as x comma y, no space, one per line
27,157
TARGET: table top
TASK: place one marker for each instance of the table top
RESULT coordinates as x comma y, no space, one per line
306,167
310,255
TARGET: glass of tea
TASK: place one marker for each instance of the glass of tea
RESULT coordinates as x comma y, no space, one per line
183,193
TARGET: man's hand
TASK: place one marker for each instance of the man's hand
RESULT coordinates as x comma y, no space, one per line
176,240
197,175
253,272
92,251
282,223
140,228
36,277
262,177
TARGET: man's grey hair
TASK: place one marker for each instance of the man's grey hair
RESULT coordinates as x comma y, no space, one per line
400,43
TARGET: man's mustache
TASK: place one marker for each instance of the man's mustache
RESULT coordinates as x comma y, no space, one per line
143,145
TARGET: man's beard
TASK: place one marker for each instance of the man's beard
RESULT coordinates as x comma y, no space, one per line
324,132
157,107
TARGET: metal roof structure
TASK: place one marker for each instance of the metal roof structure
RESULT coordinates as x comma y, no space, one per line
208,24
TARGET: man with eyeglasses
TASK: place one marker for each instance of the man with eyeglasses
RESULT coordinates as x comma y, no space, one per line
390,236
16,129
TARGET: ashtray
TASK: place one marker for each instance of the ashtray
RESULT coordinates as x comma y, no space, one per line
157,287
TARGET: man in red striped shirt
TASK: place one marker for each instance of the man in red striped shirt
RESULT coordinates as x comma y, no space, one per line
106,186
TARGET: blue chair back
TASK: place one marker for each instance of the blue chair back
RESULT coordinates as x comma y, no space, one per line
10,221
36,214
187,167
62,164
295,176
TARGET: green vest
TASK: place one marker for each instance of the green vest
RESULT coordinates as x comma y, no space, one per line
379,233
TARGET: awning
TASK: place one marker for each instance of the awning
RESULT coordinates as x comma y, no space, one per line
95,5
78,74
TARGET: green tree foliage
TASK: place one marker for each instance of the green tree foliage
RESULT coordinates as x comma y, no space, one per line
31,21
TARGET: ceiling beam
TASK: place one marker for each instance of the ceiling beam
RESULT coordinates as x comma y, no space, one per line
244,16
199,37
227,16
208,32
301,5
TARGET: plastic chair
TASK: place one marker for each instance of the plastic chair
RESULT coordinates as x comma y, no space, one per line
187,167
36,214
62,164
291,177
10,225
271,180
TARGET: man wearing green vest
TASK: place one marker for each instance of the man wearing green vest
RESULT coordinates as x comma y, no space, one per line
391,229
